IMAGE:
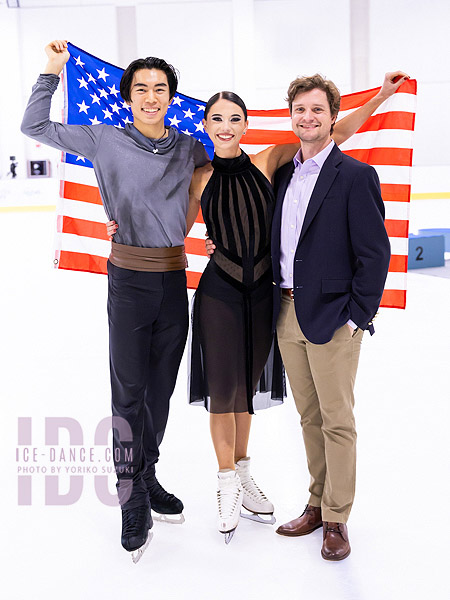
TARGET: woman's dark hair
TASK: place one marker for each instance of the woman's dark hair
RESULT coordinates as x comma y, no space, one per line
151,62
231,96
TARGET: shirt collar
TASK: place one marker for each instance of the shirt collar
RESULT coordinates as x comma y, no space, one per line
318,159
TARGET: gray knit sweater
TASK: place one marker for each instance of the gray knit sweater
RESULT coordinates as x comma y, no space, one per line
145,192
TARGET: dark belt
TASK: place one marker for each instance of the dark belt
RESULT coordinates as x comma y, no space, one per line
157,260
289,292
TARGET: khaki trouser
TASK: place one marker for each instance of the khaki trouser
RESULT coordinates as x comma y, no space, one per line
322,377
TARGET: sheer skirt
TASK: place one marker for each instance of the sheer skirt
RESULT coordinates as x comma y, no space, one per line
235,364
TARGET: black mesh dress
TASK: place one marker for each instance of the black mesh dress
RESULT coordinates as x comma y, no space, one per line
235,364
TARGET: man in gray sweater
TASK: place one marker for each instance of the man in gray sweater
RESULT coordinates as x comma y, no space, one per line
143,172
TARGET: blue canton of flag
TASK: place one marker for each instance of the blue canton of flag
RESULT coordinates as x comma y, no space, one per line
93,98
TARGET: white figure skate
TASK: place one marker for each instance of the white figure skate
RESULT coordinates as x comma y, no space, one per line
229,500
259,508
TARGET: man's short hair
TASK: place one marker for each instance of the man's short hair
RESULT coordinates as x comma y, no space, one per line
306,84
151,62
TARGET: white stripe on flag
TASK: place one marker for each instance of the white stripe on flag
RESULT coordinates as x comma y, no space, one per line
393,174
397,103
87,245
78,174
83,210
397,210
270,123
196,263
384,138
198,231
399,246
395,281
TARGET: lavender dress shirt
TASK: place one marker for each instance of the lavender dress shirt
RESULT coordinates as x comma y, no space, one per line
295,205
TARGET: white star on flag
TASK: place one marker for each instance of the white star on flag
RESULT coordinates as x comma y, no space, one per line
127,120
177,101
81,158
125,105
95,121
78,62
83,107
108,115
95,98
90,78
186,132
102,74
115,108
83,83
174,121
199,127
103,93
113,90
200,107
188,114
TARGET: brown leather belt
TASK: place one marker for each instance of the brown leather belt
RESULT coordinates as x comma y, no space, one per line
156,260
289,292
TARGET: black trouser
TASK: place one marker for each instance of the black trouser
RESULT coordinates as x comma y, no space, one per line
148,323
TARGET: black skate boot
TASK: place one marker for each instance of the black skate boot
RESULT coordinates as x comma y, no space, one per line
136,523
168,507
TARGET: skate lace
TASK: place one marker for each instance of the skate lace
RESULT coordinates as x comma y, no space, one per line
252,489
227,500
132,520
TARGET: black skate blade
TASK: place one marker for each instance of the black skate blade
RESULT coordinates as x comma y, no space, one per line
137,554
165,518
265,519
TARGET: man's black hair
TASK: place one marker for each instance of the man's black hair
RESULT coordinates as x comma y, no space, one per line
151,62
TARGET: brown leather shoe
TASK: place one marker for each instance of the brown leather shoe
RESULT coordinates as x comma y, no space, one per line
307,522
335,541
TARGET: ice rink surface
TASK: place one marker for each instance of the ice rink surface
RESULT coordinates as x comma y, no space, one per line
54,363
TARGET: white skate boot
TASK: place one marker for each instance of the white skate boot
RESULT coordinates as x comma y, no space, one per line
229,500
254,500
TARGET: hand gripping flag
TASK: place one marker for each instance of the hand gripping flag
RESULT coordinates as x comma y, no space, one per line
91,97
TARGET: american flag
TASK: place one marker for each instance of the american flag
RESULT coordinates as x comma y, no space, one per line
91,97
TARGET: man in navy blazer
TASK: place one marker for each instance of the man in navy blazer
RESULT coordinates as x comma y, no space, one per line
330,256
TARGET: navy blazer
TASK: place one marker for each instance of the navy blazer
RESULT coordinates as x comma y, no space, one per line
342,257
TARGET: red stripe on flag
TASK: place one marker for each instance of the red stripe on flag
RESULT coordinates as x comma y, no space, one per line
393,299
398,264
79,191
270,137
389,120
382,156
357,99
275,113
199,217
396,228
92,229
76,261
195,246
192,279
395,192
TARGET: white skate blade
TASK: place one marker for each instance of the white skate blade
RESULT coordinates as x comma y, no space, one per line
136,554
228,536
266,519
172,519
